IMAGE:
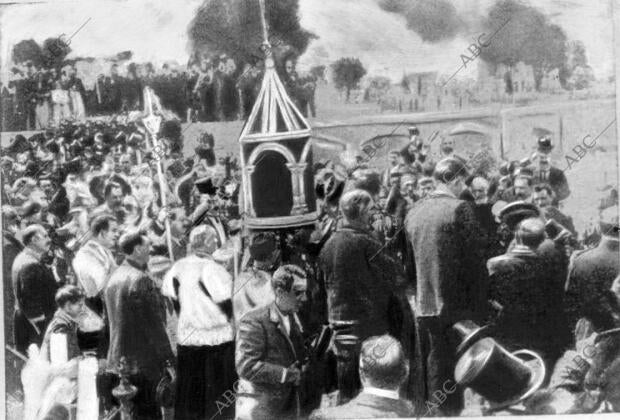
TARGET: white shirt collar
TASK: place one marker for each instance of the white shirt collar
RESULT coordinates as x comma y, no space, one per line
286,321
386,393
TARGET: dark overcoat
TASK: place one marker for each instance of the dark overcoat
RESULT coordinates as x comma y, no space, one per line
137,321
447,245
590,276
360,281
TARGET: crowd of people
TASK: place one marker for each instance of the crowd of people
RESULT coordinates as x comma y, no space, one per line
213,88
268,323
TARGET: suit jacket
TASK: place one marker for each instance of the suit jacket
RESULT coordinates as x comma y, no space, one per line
34,286
264,350
590,275
360,279
520,281
137,321
447,254
366,406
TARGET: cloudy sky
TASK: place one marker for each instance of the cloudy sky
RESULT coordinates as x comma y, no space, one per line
155,30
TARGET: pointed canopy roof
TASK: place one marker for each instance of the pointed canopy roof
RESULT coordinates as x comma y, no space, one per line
274,115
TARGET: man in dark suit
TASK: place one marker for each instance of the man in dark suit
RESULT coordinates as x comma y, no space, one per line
450,275
543,197
383,370
34,286
544,172
270,352
11,247
361,281
137,325
520,281
591,273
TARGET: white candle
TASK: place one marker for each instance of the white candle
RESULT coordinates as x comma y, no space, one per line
88,403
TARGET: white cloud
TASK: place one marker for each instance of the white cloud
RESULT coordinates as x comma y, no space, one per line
156,30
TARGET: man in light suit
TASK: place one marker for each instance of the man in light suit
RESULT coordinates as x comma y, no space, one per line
270,351
383,370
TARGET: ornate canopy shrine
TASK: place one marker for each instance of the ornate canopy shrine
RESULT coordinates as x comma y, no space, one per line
276,158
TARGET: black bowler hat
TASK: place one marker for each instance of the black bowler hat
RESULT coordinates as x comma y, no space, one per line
205,186
544,144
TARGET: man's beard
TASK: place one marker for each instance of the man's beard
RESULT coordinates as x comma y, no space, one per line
447,150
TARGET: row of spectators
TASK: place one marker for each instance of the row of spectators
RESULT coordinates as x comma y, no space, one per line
210,89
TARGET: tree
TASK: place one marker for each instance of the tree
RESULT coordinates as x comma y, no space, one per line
54,51
522,33
347,73
318,72
578,73
27,50
577,55
234,27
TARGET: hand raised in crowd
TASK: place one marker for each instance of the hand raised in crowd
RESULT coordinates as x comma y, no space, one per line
163,214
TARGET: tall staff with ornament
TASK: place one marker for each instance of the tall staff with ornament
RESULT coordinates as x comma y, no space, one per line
152,123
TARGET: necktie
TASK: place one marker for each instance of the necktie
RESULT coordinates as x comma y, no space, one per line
296,337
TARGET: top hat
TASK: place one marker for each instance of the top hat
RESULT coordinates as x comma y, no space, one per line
502,378
544,144
469,333
205,186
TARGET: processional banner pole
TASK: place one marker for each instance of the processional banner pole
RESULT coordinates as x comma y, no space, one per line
152,123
